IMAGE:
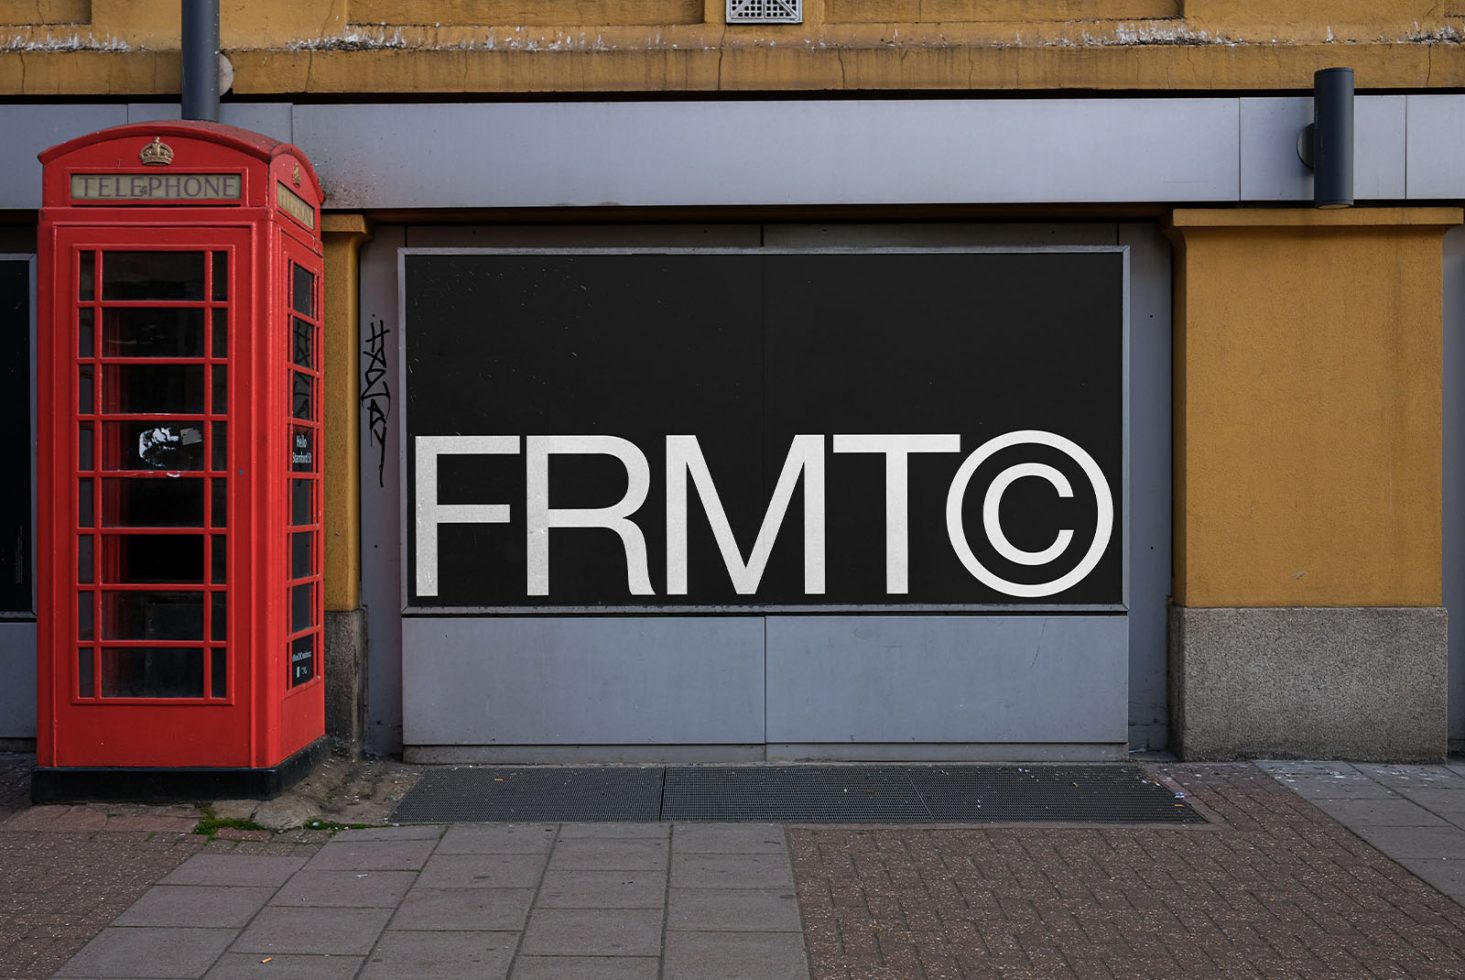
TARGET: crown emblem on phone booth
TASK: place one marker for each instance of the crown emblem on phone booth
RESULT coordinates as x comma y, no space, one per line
157,153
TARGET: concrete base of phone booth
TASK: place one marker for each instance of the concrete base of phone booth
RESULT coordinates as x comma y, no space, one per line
72,784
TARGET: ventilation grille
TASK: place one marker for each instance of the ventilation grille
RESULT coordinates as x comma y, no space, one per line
765,11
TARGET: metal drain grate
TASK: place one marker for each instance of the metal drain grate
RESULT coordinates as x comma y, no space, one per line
548,793
818,794
797,794
1091,794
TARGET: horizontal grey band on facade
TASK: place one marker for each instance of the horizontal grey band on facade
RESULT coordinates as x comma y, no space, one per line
808,152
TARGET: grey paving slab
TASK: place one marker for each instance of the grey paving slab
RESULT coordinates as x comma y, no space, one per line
482,871
1440,801
345,889
456,955
731,871
593,932
348,932
609,854
733,909
602,890
1416,842
493,909
491,838
1446,874
1341,786
422,831
1304,768
570,831
234,869
148,952
728,838
196,906
585,968
388,855
1379,813
734,956
1412,777
234,966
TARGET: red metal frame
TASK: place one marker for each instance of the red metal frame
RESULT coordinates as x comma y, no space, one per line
239,403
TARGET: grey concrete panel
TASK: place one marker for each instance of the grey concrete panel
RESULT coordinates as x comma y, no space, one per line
1436,145
1272,171
345,653
268,118
948,679
1349,683
773,153
381,514
29,129
669,679
18,692
1148,482
1453,485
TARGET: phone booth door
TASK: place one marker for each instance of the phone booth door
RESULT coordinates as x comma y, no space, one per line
158,441
304,545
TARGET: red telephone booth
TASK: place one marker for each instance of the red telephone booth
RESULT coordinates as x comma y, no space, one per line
179,529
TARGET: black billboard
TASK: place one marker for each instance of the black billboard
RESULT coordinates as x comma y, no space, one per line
624,431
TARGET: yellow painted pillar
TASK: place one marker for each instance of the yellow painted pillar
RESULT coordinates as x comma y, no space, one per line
1307,483
343,234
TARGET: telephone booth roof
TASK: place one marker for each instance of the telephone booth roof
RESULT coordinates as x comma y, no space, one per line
92,150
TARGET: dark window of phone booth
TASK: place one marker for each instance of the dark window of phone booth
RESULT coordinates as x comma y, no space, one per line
303,581
152,445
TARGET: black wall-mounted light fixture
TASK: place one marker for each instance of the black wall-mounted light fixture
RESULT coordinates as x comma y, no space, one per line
1326,146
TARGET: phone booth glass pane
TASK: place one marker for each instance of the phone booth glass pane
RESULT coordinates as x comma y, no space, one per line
153,434
303,492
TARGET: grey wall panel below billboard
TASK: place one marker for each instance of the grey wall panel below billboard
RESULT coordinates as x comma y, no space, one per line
587,680
948,679
18,689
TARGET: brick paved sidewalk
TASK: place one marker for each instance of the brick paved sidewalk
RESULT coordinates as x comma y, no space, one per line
1281,890
68,871
1277,888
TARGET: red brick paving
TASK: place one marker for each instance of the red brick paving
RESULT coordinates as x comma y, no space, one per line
1279,890
59,889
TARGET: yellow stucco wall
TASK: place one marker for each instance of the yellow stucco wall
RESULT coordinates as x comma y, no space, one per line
339,47
1307,406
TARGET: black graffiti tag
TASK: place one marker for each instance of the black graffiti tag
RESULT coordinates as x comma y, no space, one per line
376,394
